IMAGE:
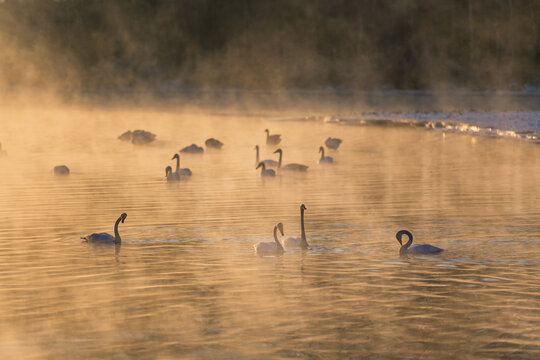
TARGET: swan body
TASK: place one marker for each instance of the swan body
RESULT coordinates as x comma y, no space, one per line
267,163
272,139
61,170
333,143
325,159
138,137
291,166
107,238
192,149
213,143
265,171
414,249
171,176
180,171
299,241
271,248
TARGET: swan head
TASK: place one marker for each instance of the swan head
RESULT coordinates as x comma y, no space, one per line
123,217
321,149
261,164
278,151
303,207
256,147
267,131
175,157
400,233
168,170
280,228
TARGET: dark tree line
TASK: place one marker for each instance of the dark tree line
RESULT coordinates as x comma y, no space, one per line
262,44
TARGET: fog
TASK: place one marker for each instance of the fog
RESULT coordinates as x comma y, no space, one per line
82,48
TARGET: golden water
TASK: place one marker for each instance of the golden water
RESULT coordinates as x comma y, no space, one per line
185,282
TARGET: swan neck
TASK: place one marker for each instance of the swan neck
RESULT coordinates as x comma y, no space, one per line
322,153
408,244
257,156
276,239
280,156
117,238
302,229
177,163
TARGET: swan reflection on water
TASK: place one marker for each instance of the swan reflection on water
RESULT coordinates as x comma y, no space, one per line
414,249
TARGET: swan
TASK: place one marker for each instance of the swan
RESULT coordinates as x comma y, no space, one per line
415,249
126,136
324,159
268,162
141,137
266,248
292,166
180,171
272,139
333,143
213,143
138,137
265,171
192,149
171,176
61,170
299,241
107,238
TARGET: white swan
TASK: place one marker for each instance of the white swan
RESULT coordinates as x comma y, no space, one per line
213,143
272,139
415,249
299,241
171,176
267,163
265,171
107,238
181,171
192,149
333,143
325,159
291,166
61,170
267,248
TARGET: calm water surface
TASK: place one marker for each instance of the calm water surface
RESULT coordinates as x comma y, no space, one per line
185,283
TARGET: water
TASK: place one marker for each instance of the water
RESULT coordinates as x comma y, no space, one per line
185,283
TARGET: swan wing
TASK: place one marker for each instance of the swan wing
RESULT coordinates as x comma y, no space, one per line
99,237
266,248
185,172
270,163
424,249
292,242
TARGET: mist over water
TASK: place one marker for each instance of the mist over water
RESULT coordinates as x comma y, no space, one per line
186,281
437,106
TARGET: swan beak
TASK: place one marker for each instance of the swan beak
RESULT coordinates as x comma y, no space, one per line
399,240
124,216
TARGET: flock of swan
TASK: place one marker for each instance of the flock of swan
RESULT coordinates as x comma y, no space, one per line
275,247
